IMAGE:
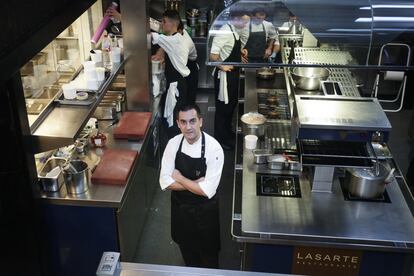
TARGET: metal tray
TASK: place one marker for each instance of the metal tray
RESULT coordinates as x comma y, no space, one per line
92,97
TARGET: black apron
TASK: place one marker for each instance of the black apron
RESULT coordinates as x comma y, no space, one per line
172,75
256,44
224,112
194,218
192,81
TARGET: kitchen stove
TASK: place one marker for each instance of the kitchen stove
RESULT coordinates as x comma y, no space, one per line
277,185
273,104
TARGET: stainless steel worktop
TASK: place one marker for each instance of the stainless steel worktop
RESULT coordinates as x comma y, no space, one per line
103,195
318,218
137,269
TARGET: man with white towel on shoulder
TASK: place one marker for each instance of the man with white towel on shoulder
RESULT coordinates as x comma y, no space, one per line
226,47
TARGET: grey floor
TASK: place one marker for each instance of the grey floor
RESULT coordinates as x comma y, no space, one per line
157,247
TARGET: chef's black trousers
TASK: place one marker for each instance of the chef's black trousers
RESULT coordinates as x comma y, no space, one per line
195,258
224,112
192,82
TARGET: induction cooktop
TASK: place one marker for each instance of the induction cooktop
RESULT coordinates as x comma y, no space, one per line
277,185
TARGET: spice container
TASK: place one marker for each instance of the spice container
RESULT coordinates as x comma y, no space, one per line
98,140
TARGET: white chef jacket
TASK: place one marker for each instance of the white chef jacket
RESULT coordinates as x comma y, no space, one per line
192,52
214,160
223,41
176,47
269,28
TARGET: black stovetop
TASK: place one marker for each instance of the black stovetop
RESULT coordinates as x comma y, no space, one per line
277,185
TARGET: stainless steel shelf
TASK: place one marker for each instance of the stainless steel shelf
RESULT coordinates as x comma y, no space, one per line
61,124
318,56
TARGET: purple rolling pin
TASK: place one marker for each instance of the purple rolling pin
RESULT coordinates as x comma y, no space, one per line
102,26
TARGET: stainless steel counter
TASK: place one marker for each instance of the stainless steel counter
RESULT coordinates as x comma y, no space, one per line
103,195
319,218
136,269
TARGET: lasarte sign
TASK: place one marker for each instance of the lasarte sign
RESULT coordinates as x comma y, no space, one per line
326,261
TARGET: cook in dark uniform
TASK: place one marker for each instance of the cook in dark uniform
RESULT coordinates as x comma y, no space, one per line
174,44
191,168
261,36
192,79
226,47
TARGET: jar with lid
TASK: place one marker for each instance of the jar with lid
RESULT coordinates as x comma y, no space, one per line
98,139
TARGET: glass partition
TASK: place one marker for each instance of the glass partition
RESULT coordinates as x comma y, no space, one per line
354,34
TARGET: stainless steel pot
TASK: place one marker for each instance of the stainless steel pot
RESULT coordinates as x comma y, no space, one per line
260,155
309,78
253,123
192,21
76,177
283,162
265,73
295,28
366,183
201,29
52,183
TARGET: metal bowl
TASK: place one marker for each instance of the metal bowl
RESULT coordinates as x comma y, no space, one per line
309,78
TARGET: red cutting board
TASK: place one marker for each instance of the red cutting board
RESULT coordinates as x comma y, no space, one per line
132,125
114,167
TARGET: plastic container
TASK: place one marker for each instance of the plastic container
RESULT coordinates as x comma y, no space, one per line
106,48
88,65
100,73
115,55
69,91
250,141
96,56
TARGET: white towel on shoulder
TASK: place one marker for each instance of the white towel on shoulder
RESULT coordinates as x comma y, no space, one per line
170,103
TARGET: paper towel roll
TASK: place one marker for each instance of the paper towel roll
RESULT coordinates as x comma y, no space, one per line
394,75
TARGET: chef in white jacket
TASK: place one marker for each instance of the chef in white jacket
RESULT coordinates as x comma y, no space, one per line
174,44
191,168
226,47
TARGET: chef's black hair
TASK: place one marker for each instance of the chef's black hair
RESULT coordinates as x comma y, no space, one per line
236,12
173,15
187,107
258,10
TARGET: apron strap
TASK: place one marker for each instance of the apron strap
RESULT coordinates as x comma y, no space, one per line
232,32
203,145
181,145
264,30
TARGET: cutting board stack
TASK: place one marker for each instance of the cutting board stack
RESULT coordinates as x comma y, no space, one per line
116,164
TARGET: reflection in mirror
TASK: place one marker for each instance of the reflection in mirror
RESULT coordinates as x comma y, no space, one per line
300,32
